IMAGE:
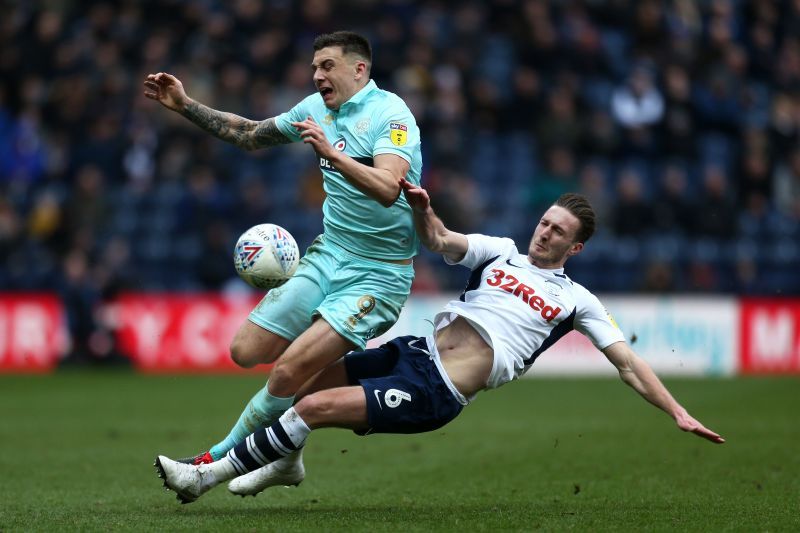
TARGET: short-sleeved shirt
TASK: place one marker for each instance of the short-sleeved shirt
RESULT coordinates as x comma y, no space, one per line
371,123
521,310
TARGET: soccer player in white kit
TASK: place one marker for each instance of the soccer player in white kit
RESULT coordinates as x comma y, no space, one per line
514,307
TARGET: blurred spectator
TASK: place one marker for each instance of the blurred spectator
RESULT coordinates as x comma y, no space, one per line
671,210
755,175
426,280
678,128
632,213
559,176
601,137
638,103
754,215
638,106
214,270
715,211
786,195
593,185
703,276
659,278
87,207
81,299
559,127
784,123
457,202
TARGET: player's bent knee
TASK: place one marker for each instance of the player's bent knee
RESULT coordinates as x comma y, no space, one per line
314,408
290,376
248,354
241,357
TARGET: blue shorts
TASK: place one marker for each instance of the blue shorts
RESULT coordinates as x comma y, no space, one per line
359,297
405,390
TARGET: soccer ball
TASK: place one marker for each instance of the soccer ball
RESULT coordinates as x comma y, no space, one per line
266,256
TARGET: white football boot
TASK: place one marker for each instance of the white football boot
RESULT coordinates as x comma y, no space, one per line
288,471
188,481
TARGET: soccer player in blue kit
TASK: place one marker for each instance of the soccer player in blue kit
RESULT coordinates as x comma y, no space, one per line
515,306
356,276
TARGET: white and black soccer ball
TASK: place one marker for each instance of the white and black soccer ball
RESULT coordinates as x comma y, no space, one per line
266,256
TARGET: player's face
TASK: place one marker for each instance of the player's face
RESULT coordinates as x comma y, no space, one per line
337,76
553,239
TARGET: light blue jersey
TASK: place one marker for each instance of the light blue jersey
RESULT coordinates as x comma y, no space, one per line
371,123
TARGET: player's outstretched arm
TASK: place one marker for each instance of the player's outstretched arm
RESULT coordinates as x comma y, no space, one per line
637,373
244,133
430,228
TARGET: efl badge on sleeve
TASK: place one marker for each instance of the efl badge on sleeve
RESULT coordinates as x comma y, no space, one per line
611,318
398,133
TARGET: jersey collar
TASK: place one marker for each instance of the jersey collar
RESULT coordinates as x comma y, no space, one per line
360,95
555,271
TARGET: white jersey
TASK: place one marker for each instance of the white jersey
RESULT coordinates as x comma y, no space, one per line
521,310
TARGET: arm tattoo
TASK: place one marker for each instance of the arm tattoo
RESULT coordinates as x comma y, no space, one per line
244,133
266,133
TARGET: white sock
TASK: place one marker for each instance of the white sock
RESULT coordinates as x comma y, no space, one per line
295,427
290,461
220,471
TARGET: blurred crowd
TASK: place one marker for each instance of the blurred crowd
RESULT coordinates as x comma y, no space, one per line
680,120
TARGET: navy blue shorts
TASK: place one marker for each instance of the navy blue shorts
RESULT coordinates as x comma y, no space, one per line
405,392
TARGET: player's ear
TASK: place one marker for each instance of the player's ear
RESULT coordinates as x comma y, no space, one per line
361,69
575,248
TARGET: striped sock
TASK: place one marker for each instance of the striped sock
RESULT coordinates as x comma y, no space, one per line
262,410
285,436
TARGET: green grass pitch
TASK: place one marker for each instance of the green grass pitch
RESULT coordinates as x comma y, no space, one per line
550,454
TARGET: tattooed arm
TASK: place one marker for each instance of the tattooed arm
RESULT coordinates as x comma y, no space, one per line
245,133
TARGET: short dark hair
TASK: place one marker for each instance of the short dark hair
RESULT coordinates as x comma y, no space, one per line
579,206
350,42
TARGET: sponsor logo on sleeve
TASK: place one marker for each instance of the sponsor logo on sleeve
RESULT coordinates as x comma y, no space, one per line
398,133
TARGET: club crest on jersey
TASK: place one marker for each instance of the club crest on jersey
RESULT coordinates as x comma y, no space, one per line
362,126
552,288
328,120
398,133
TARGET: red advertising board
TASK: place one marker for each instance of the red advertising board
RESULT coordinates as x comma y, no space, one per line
181,332
32,332
770,336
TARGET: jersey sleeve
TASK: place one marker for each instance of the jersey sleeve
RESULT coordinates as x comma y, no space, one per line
595,322
396,132
481,248
295,114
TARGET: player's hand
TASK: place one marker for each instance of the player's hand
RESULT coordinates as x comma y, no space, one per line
312,134
416,196
166,89
686,422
